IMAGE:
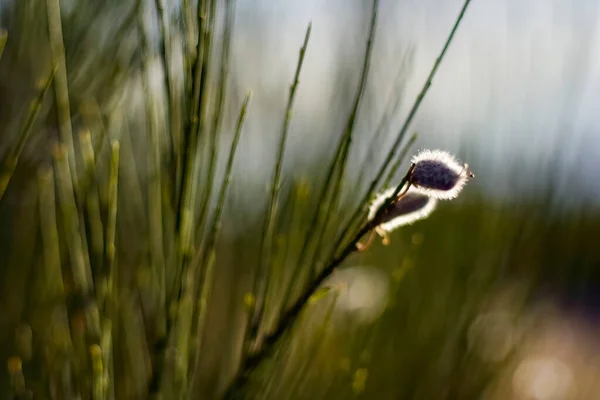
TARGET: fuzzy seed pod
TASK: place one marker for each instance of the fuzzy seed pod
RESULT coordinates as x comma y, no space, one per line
438,174
411,207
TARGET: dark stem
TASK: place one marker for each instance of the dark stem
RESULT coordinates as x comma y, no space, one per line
291,315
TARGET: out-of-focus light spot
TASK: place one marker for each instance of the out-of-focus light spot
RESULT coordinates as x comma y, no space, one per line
360,380
492,336
543,378
363,292
345,364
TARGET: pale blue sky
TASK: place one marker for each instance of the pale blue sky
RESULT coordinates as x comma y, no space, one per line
521,79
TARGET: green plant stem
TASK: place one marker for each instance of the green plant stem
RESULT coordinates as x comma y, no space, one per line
61,88
413,111
288,319
210,254
91,196
82,277
338,160
217,116
355,218
393,104
3,39
264,271
12,160
337,189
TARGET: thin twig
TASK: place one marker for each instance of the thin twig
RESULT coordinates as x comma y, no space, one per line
10,164
340,178
264,271
209,258
290,316
337,160
61,86
3,39
417,103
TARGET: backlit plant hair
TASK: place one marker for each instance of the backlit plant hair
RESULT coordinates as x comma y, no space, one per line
408,208
438,174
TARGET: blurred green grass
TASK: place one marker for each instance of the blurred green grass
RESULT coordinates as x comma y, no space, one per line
115,281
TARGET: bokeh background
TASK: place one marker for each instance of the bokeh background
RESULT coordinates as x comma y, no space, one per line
495,296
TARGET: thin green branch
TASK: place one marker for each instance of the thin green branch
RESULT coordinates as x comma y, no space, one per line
61,86
337,188
3,39
210,254
392,107
338,161
265,249
403,153
82,276
288,319
111,224
413,111
91,197
10,164
360,209
51,248
155,203
217,116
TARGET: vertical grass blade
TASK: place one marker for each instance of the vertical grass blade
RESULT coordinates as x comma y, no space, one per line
264,269
92,198
290,316
210,254
155,201
337,165
338,182
217,116
49,231
61,88
11,161
415,107
82,276
3,39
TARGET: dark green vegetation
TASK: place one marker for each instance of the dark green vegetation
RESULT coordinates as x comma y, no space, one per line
129,272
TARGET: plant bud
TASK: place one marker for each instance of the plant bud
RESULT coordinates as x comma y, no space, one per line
411,207
438,174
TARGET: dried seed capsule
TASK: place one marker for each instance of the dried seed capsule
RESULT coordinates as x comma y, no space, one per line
438,174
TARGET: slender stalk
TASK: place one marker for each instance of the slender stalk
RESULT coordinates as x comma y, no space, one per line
403,153
264,271
3,39
392,107
82,276
413,111
155,202
217,116
338,161
209,259
337,187
355,218
92,118
61,88
187,173
191,166
92,198
288,318
12,160
49,231
111,224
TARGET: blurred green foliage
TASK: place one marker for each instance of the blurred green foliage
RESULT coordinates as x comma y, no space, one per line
129,271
